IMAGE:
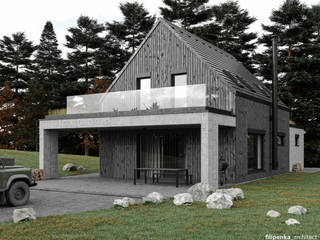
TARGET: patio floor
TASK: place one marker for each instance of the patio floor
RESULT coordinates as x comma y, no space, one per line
96,185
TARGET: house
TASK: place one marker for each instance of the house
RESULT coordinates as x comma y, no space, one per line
179,102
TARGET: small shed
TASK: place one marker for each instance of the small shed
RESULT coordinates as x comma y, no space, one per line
296,149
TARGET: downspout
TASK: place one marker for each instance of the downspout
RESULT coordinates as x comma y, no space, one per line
275,104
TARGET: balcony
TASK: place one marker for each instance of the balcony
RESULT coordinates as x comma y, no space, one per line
147,99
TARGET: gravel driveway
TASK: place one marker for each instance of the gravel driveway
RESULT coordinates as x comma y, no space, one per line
52,203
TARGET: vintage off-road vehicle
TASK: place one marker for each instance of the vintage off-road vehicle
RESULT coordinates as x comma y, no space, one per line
14,184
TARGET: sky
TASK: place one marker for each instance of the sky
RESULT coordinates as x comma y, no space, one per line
30,16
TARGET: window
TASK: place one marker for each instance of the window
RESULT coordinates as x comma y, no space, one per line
144,98
297,138
144,83
280,140
255,151
179,81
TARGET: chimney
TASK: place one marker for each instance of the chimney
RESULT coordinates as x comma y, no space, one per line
275,103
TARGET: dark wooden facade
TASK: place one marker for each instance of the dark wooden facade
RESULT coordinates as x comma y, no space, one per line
163,54
119,151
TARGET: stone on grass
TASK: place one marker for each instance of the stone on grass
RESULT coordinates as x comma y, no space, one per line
200,191
153,197
69,167
292,221
124,202
183,199
81,168
23,214
235,193
297,210
219,200
273,214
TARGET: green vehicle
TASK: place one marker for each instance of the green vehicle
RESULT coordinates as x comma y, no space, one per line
14,184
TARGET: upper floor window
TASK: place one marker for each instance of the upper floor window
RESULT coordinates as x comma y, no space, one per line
280,140
297,138
179,79
144,83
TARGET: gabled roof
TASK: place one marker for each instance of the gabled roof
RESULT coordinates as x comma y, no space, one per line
224,64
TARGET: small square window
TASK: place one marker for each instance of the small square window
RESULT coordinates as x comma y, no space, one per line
297,138
143,83
280,140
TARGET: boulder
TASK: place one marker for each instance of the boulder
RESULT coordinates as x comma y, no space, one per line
153,197
124,202
200,192
69,167
81,168
183,199
273,214
23,214
297,210
235,193
292,221
219,200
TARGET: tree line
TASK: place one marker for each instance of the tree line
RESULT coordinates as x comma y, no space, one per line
36,78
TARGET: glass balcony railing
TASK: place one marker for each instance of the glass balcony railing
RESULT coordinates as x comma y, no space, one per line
147,99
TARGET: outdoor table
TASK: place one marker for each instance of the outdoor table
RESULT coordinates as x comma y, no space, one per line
175,170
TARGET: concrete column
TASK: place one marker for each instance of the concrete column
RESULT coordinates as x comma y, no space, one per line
210,151
49,153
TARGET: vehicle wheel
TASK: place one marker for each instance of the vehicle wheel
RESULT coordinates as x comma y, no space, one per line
18,194
2,198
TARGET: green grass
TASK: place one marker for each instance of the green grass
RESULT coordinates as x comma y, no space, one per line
31,160
245,220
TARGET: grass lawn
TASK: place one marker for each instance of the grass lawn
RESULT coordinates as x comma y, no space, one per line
31,160
245,220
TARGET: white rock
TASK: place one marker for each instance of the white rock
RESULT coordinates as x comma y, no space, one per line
69,167
23,214
273,214
124,202
200,191
153,197
297,210
219,200
292,221
235,193
183,199
81,168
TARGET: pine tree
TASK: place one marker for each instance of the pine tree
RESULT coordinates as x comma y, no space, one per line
9,109
84,40
229,31
110,58
186,12
49,65
16,52
137,23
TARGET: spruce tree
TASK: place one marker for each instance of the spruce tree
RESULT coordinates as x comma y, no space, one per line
16,52
186,12
84,41
49,65
137,23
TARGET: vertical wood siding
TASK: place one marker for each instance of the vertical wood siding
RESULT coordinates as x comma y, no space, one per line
118,151
163,54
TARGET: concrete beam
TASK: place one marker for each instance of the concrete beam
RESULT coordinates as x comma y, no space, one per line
49,153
